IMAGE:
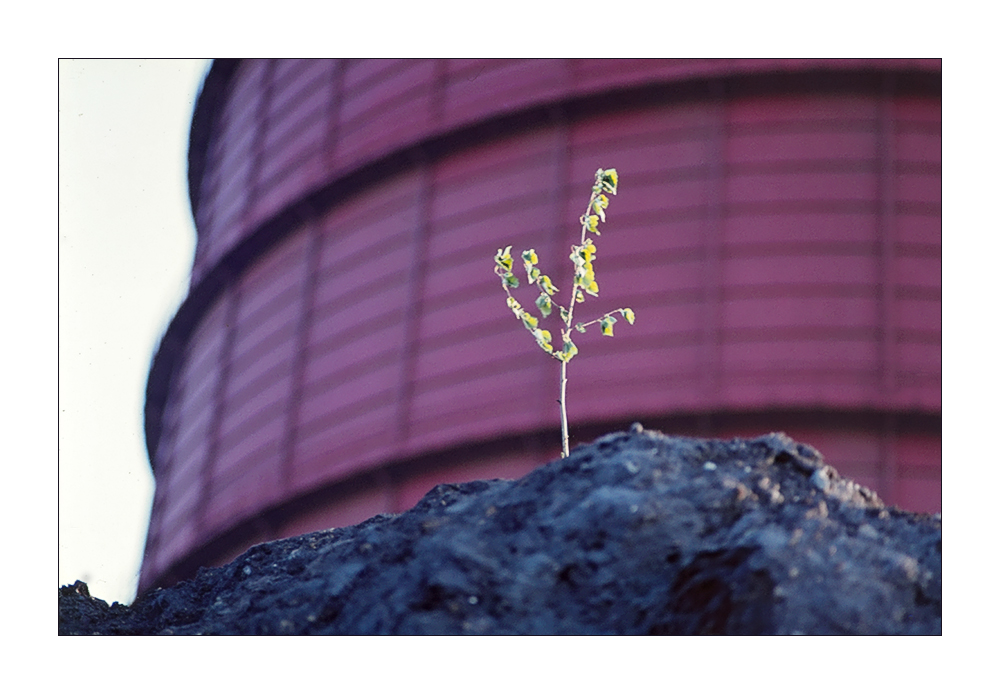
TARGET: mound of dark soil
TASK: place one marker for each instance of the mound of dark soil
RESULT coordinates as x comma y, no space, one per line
637,533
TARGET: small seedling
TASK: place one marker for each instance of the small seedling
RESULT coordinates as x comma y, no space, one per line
584,282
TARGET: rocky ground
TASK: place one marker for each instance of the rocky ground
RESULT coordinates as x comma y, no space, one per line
637,533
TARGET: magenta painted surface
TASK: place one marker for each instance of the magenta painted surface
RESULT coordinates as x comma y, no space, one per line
781,251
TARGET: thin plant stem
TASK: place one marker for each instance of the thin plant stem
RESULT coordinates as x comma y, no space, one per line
583,280
566,336
562,409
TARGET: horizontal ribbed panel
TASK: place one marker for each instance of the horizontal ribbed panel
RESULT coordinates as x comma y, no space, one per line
302,121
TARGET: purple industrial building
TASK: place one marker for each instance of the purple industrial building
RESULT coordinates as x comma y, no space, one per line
345,344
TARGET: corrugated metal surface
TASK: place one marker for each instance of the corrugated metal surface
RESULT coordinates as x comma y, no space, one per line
289,126
781,249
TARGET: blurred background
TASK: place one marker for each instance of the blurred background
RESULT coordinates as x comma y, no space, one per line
344,345
339,343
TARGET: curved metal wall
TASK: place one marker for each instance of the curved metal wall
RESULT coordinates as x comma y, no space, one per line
346,345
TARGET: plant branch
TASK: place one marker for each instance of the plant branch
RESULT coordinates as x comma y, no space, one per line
605,181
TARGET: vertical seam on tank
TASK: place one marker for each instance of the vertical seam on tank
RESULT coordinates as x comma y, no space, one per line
416,284
219,405
713,237
303,333
888,384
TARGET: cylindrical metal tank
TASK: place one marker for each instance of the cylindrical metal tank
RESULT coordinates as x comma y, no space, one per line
345,344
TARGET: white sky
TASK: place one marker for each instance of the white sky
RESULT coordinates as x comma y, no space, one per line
126,240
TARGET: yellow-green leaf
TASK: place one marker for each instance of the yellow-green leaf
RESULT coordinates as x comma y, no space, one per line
601,204
544,339
607,325
544,304
609,181
569,350
503,258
